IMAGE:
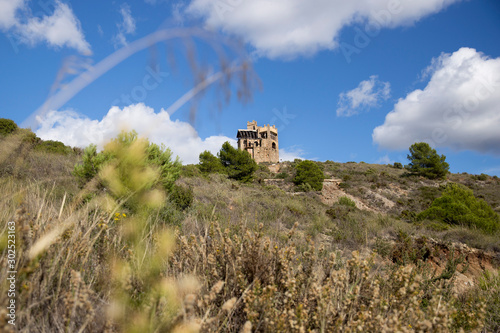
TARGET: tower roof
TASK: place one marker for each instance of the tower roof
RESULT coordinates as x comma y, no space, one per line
247,134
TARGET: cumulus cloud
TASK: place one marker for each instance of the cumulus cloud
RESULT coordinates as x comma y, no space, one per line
8,10
60,29
290,28
457,109
368,94
80,131
125,27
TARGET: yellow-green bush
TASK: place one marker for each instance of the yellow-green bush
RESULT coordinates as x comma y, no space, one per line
459,206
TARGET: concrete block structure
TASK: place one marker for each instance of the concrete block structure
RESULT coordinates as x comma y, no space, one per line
260,141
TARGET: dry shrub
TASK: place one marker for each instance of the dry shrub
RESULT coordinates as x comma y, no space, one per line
105,265
106,271
94,266
276,288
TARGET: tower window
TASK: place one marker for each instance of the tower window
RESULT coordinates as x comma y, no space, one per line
274,145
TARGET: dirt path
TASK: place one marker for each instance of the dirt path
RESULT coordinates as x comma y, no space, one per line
331,193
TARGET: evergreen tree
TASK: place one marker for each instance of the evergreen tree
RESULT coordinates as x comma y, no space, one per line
209,163
156,156
425,161
309,173
238,164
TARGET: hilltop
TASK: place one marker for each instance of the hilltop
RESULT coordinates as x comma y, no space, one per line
363,227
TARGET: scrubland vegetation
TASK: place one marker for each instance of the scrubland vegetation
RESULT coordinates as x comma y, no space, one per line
128,240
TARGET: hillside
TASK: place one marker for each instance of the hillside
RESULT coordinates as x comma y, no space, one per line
259,256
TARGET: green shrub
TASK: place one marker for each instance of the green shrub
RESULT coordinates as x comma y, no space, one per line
55,147
91,163
295,162
344,185
408,215
424,161
346,201
170,170
397,165
459,206
304,187
282,175
155,156
308,172
437,226
182,197
210,163
370,171
238,164
190,170
482,177
7,126
31,138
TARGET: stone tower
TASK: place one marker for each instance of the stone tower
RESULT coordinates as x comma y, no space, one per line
260,141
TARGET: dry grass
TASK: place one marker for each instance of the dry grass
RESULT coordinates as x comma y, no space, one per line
247,258
280,288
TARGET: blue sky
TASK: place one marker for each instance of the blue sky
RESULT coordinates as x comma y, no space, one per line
343,81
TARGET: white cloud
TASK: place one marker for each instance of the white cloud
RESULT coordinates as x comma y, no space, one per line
367,94
384,160
457,109
62,28
128,23
290,28
8,9
76,130
291,153
177,12
120,40
125,27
